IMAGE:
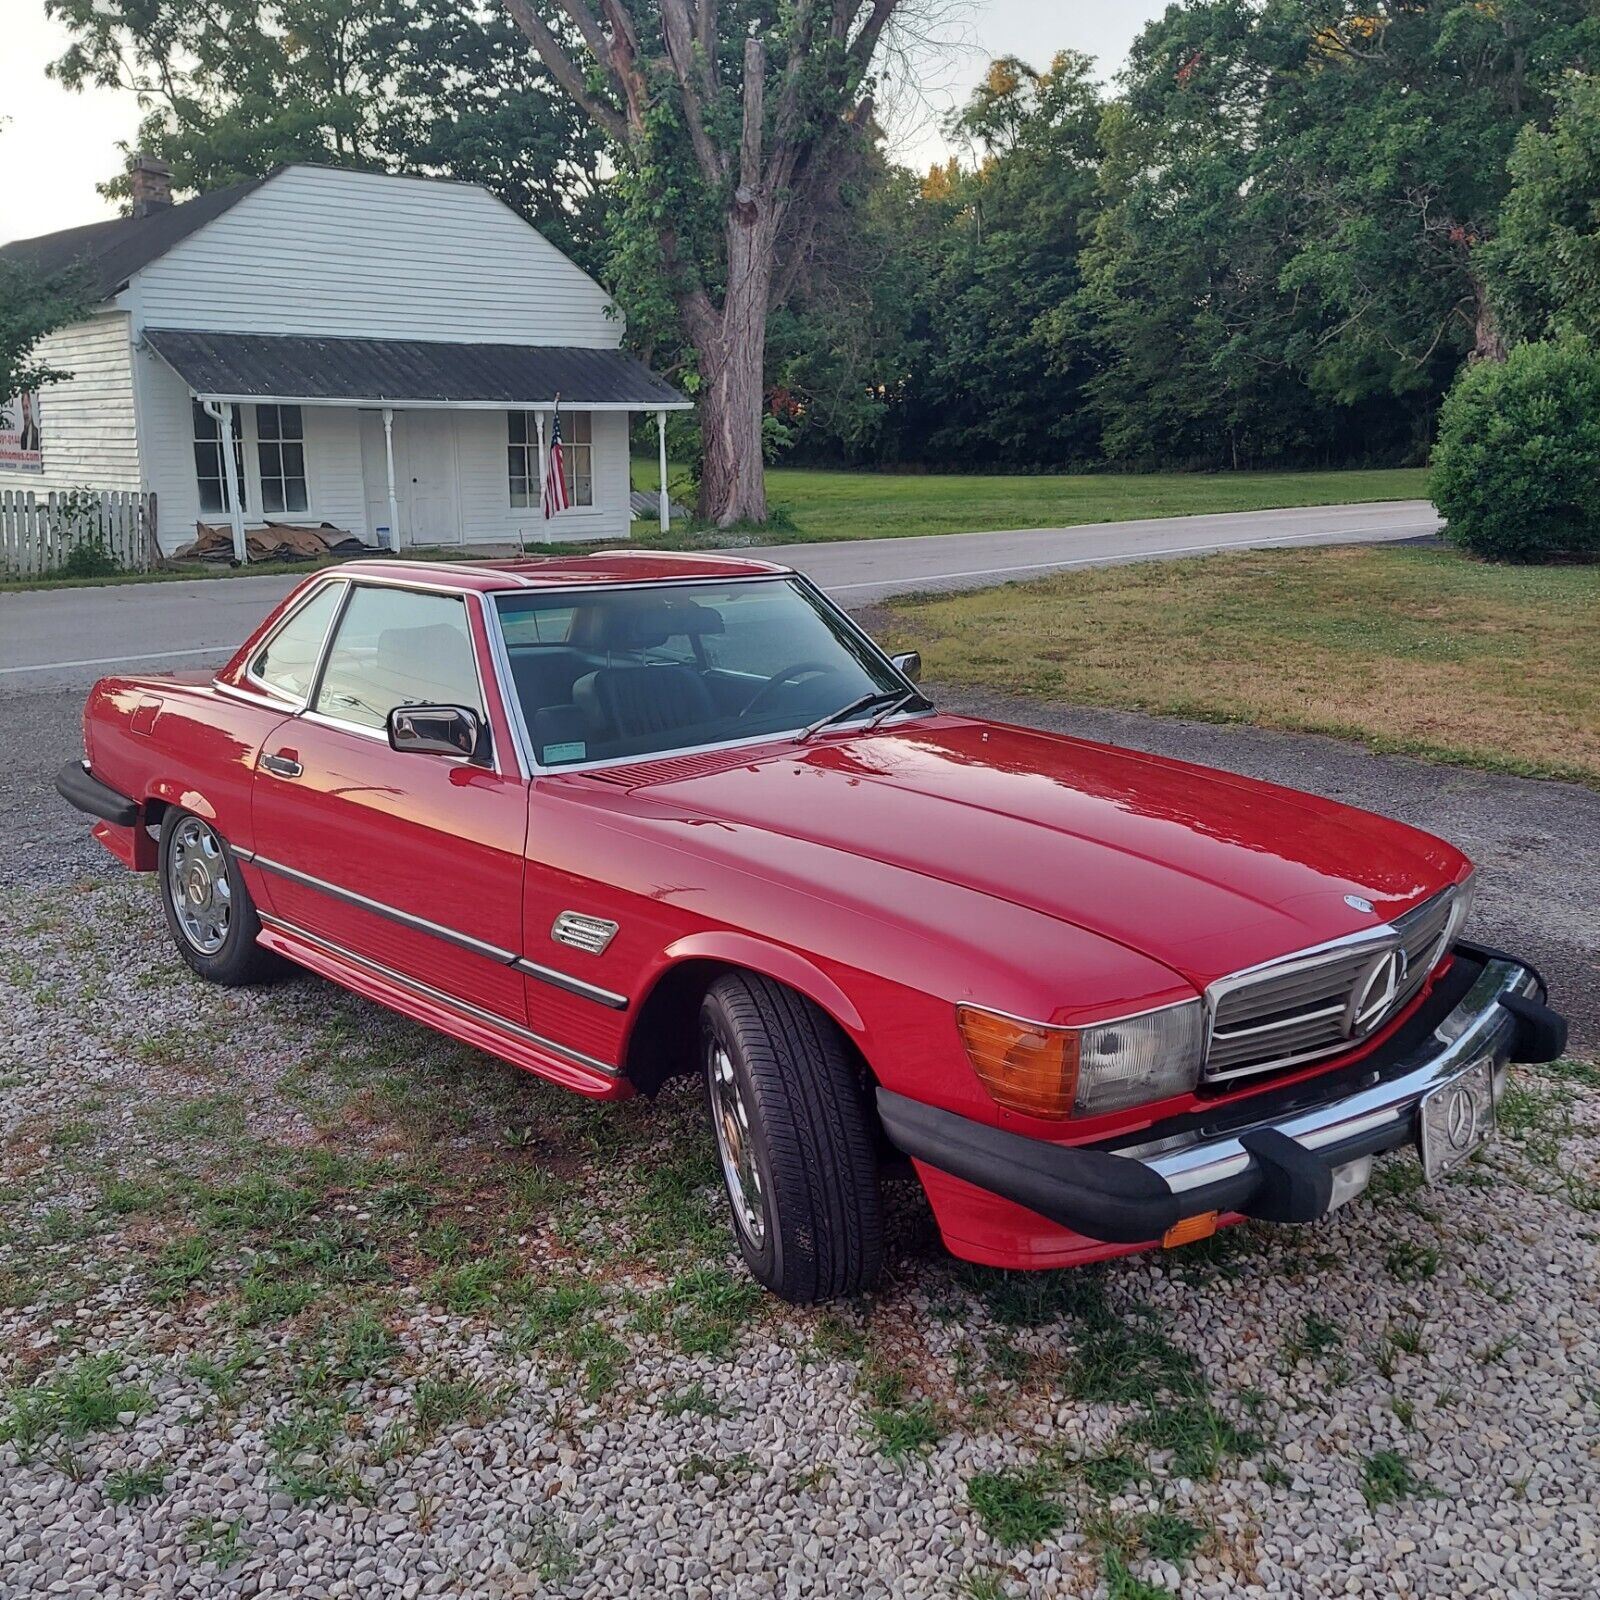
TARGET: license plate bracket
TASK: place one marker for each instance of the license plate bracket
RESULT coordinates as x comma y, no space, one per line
1456,1119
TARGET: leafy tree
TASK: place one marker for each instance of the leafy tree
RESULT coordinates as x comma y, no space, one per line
32,306
731,126
1543,266
421,85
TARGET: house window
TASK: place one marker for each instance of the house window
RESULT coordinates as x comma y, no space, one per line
281,454
208,460
577,458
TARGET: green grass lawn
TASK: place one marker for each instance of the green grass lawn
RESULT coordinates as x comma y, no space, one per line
1421,651
878,505
814,505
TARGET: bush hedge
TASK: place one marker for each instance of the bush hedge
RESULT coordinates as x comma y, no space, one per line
1516,471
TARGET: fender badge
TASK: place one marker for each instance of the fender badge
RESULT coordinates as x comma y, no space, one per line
1356,903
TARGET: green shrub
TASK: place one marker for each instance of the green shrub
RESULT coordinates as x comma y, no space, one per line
1517,465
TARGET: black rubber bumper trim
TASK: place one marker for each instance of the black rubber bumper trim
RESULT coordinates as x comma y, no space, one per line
79,787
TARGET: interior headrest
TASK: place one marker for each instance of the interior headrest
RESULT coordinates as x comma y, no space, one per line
642,625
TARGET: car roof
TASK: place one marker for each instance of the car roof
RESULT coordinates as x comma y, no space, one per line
604,567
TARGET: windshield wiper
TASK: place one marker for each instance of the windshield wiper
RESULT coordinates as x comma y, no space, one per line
899,703
859,704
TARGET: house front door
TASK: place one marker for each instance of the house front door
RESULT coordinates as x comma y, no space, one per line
427,486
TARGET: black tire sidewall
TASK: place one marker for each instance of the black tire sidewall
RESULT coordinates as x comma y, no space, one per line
235,961
766,1263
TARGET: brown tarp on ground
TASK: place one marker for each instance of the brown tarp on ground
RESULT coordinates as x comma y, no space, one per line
272,541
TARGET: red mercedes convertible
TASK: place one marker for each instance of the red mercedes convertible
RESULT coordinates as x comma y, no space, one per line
617,818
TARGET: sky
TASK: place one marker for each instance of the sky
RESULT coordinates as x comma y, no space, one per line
56,145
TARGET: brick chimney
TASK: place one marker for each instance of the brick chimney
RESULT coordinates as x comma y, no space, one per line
150,183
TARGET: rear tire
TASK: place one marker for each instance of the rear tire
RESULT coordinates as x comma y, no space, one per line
790,1115
208,908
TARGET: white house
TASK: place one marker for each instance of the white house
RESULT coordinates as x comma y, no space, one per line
379,353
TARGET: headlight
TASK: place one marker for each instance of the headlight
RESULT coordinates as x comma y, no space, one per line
1064,1072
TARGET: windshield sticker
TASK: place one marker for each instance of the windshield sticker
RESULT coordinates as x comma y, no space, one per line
573,750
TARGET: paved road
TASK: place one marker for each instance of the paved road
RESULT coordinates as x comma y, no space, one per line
66,638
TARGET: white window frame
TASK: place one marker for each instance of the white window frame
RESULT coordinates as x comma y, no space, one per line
280,478
213,441
573,449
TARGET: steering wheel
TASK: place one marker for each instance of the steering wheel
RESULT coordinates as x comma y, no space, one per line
789,674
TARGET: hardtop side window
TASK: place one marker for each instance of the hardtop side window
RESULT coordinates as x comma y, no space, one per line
397,647
288,660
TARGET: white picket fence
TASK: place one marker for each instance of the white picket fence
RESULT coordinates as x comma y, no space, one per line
38,532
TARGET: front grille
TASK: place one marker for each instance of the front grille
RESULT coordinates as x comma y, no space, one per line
1323,1001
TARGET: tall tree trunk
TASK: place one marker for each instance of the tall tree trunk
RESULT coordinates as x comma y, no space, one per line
1488,343
732,349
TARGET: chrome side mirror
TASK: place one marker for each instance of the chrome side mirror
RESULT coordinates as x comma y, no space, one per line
439,731
909,665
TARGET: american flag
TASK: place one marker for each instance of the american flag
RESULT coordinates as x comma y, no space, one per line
555,477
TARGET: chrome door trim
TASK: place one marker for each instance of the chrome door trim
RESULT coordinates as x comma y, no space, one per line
500,666
462,941
439,997
560,980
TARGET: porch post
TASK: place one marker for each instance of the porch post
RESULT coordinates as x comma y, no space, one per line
661,441
222,415
388,457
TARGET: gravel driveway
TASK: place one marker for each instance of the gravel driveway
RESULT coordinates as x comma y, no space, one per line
296,1297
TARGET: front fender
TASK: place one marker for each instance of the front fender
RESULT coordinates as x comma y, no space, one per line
773,960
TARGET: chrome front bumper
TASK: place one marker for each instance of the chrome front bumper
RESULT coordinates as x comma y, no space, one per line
1283,1155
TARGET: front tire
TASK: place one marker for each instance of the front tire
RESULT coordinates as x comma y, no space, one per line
789,1111
208,908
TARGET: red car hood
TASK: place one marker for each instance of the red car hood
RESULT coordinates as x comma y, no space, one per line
1204,871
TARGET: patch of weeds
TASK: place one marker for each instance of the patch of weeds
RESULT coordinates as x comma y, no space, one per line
78,1402
724,1469
446,1243
1120,1362
1122,1585
907,1432
62,1225
470,1288
214,1116
1404,1410
221,1377
673,1212
838,1338
1107,1475
1008,1361
1387,1478
1199,1436
121,1197
365,1346
1316,1336
694,1400
553,1309
1274,1476
143,1482
264,1297
985,1586
215,1541
1013,1505
180,1265
1170,1537
712,1306
1396,1179
1408,1262
1407,1336
1033,1299
442,1402
598,1354
555,1555
303,1463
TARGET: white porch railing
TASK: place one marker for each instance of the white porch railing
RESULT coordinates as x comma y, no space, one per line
110,529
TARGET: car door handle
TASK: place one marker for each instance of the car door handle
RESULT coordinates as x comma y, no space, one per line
283,764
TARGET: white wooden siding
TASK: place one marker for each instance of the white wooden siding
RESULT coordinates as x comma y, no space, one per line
328,253
86,423
487,514
333,461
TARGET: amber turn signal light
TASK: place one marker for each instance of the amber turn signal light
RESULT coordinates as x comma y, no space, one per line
1024,1066
1189,1229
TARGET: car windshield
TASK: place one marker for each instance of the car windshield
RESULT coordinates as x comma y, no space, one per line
634,671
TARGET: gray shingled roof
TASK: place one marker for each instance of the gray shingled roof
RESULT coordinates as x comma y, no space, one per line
109,253
248,366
